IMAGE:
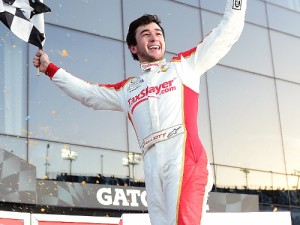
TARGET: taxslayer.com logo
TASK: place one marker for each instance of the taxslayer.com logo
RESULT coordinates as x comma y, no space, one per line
148,92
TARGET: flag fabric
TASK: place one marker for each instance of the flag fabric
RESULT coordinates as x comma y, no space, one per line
25,19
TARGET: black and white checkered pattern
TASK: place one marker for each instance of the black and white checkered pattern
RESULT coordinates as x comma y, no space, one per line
17,179
25,19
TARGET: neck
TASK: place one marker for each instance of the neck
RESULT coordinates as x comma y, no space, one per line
150,65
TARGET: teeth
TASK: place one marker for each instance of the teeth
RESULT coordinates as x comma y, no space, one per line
154,47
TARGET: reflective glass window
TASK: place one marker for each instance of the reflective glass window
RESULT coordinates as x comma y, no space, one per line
294,180
267,180
13,83
132,139
286,52
51,160
258,180
245,121
256,10
251,52
249,179
280,182
256,13
290,4
215,6
15,145
204,119
288,22
189,2
289,106
93,16
229,177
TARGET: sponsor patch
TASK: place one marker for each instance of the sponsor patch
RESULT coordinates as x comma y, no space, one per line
174,132
237,4
135,83
161,136
165,68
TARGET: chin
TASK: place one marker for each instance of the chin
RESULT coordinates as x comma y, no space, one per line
158,58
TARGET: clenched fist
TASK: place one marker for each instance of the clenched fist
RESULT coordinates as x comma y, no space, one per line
41,61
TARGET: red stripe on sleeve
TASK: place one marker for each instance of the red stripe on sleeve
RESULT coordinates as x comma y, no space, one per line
116,86
51,70
185,54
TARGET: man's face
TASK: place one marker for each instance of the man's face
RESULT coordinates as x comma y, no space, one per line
150,45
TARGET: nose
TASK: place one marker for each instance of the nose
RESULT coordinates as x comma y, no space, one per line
153,37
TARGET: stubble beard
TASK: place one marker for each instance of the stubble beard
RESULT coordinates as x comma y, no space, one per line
149,58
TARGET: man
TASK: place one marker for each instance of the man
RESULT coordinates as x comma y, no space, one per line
162,104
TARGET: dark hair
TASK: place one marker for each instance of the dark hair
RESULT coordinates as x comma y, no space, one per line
142,21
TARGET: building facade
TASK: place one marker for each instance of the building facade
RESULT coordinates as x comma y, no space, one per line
249,103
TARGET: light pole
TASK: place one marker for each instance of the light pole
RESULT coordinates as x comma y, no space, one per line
132,159
47,163
101,161
297,173
246,171
272,180
67,154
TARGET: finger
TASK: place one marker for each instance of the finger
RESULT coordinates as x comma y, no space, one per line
37,57
36,65
36,62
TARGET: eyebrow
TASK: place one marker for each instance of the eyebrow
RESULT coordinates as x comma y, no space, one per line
147,30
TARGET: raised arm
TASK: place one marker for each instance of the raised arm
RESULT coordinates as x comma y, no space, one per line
215,45
96,96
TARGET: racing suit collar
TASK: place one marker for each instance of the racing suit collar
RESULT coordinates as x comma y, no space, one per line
153,65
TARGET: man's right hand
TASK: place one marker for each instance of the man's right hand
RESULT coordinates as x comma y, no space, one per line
41,61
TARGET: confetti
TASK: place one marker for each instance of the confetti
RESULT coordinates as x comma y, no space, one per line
64,53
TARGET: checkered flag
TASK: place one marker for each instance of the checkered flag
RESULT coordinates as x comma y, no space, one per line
25,19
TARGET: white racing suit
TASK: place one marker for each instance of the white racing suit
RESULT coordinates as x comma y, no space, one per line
162,104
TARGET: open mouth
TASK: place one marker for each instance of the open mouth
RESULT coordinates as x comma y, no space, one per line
154,47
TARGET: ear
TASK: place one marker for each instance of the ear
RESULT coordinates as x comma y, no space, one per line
133,49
